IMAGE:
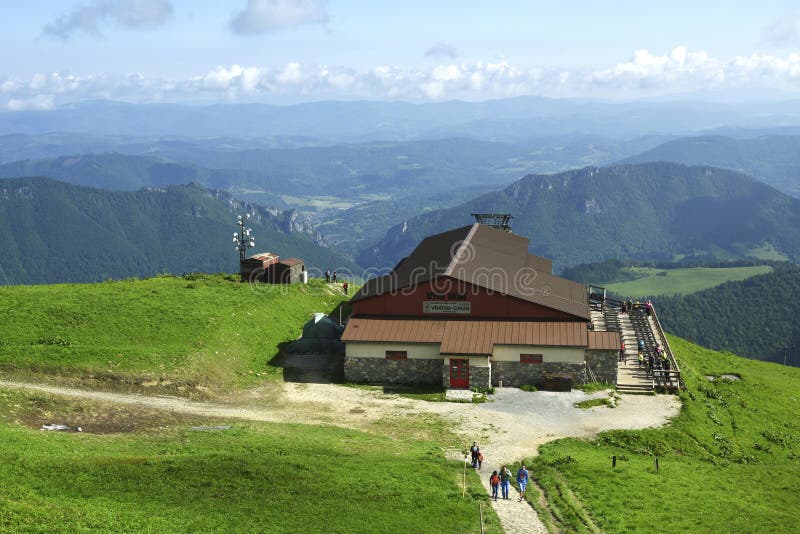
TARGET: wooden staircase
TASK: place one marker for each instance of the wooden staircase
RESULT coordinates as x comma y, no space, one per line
631,377
634,325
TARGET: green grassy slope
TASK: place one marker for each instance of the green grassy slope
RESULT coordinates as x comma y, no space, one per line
682,281
252,478
203,330
730,461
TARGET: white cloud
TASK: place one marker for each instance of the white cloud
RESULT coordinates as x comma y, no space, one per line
266,16
647,70
130,13
442,51
645,74
39,102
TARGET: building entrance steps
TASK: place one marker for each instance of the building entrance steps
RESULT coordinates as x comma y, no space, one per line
458,395
631,377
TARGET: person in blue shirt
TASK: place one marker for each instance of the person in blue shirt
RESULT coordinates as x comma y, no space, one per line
522,481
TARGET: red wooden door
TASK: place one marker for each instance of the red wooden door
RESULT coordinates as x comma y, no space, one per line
459,374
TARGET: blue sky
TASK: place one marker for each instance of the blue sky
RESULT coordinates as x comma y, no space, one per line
54,52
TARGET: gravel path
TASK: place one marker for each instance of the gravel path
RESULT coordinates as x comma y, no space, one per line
509,427
515,516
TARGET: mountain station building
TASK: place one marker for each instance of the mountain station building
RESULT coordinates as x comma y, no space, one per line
471,308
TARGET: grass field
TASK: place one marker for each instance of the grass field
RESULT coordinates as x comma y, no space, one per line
729,462
683,281
206,330
165,477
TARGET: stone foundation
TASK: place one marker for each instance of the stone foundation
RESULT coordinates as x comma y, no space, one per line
382,371
515,374
604,364
480,377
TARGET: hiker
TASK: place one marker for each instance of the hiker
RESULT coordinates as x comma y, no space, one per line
640,357
505,479
480,458
474,450
334,277
494,481
641,344
649,306
328,276
345,286
522,480
622,352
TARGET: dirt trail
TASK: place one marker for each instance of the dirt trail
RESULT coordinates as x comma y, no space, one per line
507,429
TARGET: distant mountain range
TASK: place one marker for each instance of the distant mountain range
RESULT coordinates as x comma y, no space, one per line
510,120
649,211
121,172
354,192
772,158
51,231
343,171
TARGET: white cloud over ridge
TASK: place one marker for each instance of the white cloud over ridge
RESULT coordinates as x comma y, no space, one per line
645,74
266,16
90,17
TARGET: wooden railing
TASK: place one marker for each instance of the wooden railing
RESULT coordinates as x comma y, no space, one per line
675,370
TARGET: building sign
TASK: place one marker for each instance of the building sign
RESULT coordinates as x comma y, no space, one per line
444,306
446,296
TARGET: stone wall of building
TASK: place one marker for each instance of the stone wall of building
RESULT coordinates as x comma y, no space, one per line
480,376
382,371
515,374
604,364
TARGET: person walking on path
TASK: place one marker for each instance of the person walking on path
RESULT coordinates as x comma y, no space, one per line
345,287
328,276
334,277
494,481
505,479
522,480
474,451
480,458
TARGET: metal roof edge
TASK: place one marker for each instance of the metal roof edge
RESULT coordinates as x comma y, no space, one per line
457,256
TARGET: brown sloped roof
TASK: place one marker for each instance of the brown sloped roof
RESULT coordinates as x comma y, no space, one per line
390,330
291,261
262,256
485,257
467,337
604,340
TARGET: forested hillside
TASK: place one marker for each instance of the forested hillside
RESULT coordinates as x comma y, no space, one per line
56,232
772,158
756,317
650,211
